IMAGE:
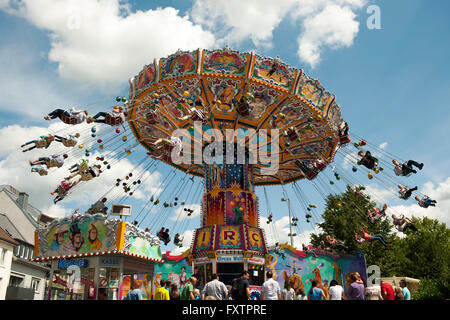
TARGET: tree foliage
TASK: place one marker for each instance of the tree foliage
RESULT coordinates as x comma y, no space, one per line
343,217
423,254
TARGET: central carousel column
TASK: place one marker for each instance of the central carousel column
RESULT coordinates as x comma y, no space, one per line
229,234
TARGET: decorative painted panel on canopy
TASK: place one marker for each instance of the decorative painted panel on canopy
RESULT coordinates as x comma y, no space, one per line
225,61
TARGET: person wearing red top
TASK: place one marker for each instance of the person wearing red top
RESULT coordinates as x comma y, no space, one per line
387,291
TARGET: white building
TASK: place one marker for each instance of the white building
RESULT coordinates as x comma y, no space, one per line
27,280
7,244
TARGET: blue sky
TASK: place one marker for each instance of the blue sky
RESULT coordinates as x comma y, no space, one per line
391,84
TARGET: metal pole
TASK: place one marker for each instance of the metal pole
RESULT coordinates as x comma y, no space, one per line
290,222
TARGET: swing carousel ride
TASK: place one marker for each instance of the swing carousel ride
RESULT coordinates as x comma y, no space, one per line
194,99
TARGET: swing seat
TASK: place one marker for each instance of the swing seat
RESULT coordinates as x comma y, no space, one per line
61,191
243,108
68,119
113,120
308,172
319,165
152,117
344,139
198,115
292,133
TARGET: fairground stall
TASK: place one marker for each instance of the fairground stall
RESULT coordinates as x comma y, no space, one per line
95,258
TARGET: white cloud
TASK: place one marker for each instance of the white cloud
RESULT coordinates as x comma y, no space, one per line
325,23
103,43
383,145
186,243
334,27
235,20
439,192
181,215
25,90
15,170
56,211
278,232
380,195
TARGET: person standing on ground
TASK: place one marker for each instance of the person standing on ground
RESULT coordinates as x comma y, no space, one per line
398,294
271,288
215,288
356,289
196,293
174,293
387,291
336,291
405,290
373,292
135,293
288,291
240,287
188,291
316,293
301,294
162,293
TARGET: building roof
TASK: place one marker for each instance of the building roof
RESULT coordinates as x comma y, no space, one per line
7,237
32,213
9,227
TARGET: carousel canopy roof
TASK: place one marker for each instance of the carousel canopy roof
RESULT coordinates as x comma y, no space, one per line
172,92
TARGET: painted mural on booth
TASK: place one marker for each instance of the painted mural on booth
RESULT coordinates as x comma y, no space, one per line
87,234
174,268
288,264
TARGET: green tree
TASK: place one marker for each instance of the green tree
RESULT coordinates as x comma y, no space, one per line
423,254
426,256
343,217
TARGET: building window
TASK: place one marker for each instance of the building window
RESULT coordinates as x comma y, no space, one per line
2,256
35,284
16,281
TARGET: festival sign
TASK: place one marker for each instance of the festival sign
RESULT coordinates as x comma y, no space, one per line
255,239
203,239
229,237
66,263
83,235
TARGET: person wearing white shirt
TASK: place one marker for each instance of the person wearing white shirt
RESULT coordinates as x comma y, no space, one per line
336,291
271,288
215,288
70,116
52,161
406,168
288,292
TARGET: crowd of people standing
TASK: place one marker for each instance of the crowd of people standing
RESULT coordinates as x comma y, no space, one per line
240,290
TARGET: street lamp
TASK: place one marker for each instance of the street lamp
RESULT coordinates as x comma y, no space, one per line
291,235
